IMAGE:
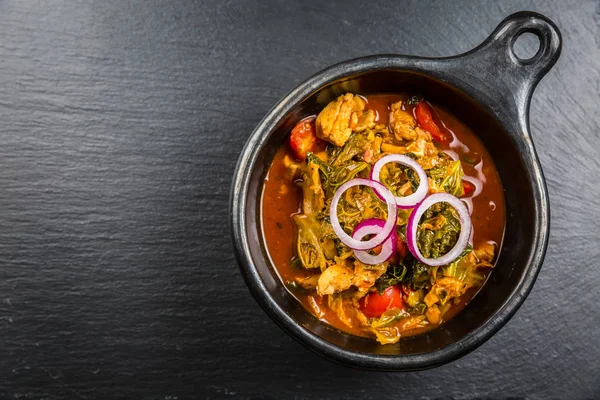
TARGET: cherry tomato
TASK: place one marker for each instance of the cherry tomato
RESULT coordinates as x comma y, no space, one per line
468,187
303,138
374,304
377,249
402,249
425,120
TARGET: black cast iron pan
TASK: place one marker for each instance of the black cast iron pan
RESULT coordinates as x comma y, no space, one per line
489,89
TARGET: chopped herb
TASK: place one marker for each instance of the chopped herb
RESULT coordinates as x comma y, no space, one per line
448,177
394,275
293,286
419,276
469,160
418,309
414,100
332,176
297,263
356,144
438,231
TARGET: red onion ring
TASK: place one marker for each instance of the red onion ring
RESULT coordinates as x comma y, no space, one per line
385,232
373,226
463,237
410,200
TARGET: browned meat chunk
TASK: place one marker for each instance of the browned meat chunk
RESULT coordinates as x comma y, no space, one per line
423,134
335,279
402,123
341,117
426,151
485,253
365,121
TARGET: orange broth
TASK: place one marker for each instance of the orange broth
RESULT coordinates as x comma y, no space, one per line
282,198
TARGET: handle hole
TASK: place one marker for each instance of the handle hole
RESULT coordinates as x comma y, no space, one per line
526,46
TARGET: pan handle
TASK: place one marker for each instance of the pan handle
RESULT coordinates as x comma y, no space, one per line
495,66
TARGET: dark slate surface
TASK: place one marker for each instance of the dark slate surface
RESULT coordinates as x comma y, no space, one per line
120,127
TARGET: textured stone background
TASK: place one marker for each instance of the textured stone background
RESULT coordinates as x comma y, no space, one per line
120,125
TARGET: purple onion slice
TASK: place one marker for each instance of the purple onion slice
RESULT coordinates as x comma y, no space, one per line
373,226
410,200
384,233
463,237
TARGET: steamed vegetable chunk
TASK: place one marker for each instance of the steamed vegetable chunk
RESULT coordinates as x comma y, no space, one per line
399,296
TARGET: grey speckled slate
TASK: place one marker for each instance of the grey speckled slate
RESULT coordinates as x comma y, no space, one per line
120,126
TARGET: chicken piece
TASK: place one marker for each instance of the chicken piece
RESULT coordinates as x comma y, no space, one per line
373,150
334,279
430,162
433,314
402,123
383,131
485,252
341,117
426,151
423,134
365,276
365,121
422,148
